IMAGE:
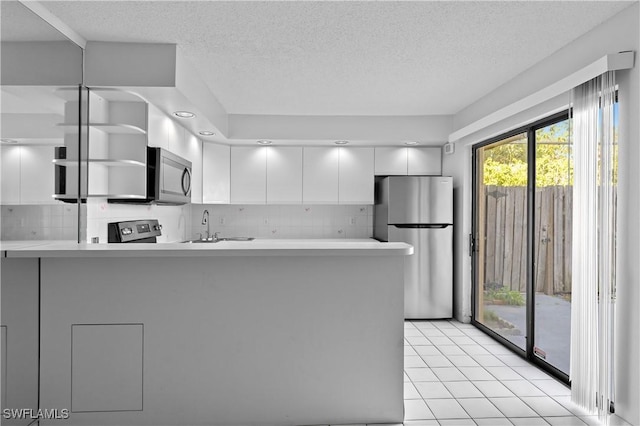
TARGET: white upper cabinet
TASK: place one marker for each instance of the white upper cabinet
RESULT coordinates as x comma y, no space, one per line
36,171
404,161
284,175
216,173
391,161
248,175
320,175
176,136
157,134
424,161
356,176
11,174
27,175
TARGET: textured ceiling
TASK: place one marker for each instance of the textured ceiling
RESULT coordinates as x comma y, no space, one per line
346,58
20,24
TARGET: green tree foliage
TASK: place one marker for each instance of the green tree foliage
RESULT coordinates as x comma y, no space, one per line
506,164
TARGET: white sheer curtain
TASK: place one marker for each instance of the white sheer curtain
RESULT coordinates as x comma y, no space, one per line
593,269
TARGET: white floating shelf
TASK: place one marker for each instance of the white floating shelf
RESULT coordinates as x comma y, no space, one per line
113,128
107,93
103,161
122,196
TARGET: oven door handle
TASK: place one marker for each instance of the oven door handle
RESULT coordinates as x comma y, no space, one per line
186,181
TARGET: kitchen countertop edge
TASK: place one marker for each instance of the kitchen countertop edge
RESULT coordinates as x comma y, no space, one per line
365,247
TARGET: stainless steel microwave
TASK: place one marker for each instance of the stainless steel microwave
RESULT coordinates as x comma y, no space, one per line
168,180
168,177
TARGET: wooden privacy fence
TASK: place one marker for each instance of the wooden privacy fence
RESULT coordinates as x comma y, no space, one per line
506,238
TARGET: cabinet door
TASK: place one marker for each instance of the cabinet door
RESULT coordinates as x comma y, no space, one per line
36,172
284,175
356,176
176,139
248,175
11,174
20,294
425,161
216,173
157,135
320,175
391,161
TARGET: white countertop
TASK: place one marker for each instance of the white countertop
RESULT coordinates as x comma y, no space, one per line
258,247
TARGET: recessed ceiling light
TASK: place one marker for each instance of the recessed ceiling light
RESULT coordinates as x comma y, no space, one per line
341,142
184,114
411,143
206,133
264,142
8,141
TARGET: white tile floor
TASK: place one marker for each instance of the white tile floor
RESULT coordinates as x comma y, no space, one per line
457,375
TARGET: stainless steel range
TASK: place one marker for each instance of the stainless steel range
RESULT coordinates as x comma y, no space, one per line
134,231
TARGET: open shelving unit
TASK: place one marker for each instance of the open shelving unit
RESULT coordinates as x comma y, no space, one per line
113,144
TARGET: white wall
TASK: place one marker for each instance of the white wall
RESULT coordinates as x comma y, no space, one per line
617,34
41,63
427,129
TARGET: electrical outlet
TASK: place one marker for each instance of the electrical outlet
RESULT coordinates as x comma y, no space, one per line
352,220
223,220
265,221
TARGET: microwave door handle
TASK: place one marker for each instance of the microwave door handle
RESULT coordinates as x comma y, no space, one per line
186,183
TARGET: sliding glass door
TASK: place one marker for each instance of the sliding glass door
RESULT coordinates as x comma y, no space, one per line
501,224
552,239
522,241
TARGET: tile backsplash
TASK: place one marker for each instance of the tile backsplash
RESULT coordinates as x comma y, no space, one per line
59,222
40,222
284,221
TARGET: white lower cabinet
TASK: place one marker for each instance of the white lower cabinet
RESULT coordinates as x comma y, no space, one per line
20,328
216,173
356,177
320,181
248,175
109,355
284,175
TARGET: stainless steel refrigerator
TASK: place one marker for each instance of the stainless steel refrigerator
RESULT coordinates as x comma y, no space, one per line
418,210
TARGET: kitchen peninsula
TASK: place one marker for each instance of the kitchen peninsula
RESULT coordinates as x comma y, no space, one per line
269,332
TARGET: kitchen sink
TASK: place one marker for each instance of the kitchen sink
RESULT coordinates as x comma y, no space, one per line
219,240
236,239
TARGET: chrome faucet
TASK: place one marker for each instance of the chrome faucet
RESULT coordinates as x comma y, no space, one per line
205,221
